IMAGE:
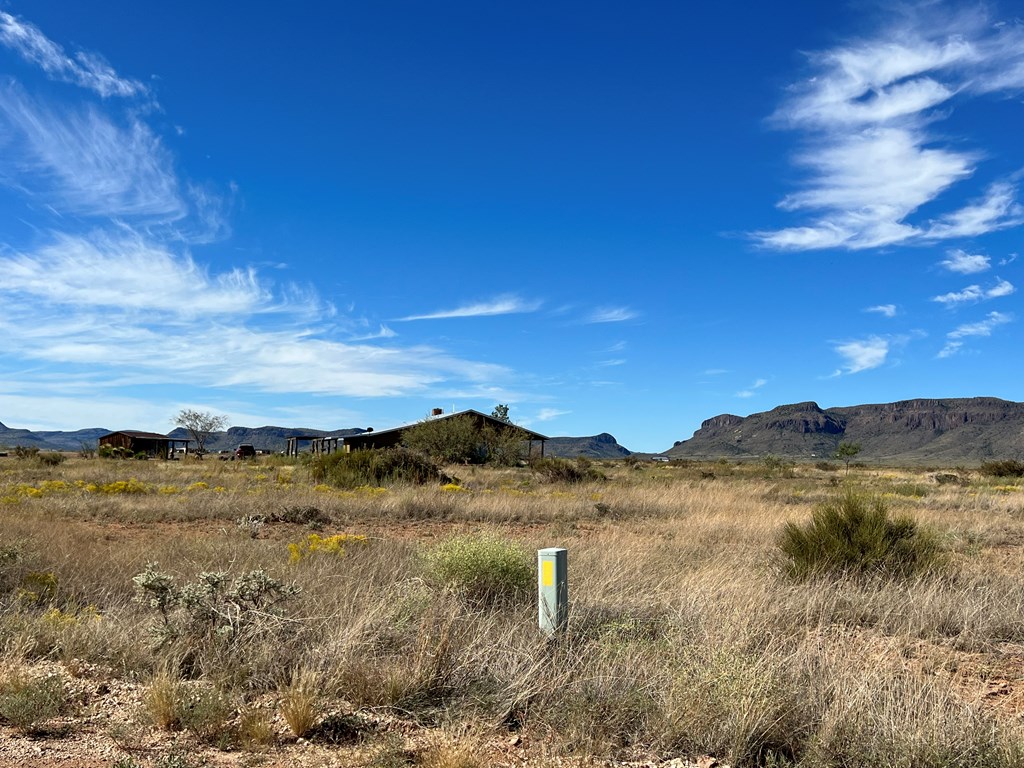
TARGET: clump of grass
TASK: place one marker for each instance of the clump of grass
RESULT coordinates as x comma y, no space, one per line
300,702
486,570
163,700
854,535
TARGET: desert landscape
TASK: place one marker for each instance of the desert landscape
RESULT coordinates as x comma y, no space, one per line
276,612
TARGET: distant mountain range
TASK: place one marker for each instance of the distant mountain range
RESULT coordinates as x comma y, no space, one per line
945,431
275,439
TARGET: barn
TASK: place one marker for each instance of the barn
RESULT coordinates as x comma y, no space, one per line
150,443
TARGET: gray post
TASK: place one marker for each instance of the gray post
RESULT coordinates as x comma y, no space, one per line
552,589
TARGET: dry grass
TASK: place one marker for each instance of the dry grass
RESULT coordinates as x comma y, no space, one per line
684,638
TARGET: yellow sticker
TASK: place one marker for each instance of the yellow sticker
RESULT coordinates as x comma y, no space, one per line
547,573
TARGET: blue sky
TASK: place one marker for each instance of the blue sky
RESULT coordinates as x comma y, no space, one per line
613,217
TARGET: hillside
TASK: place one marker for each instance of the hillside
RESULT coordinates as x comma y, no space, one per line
602,446
940,431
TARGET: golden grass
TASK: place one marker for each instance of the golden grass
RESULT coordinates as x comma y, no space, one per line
683,639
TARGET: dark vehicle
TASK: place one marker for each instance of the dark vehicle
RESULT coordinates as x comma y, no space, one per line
245,451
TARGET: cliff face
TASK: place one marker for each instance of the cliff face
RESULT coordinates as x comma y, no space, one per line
949,431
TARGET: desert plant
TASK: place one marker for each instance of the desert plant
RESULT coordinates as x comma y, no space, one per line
300,702
456,440
374,467
483,569
25,704
855,535
1003,468
207,714
556,470
164,700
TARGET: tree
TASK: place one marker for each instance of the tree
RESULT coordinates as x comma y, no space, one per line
846,452
462,440
200,424
500,413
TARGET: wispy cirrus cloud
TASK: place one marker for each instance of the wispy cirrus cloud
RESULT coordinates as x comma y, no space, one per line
87,163
752,389
611,315
975,293
502,305
88,70
123,270
870,157
121,310
982,328
862,354
548,414
964,263
886,310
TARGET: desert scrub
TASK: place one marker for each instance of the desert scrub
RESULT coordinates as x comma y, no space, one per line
485,570
564,471
26,704
332,546
854,535
374,468
213,604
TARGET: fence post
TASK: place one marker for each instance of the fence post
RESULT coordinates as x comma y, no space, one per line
552,589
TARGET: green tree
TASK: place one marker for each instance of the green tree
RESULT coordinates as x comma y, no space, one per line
200,425
453,440
500,413
846,452
463,440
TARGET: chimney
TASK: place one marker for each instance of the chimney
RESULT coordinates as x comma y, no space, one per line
437,412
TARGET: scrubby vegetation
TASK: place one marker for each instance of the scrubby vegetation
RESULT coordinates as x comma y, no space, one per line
853,535
361,468
764,617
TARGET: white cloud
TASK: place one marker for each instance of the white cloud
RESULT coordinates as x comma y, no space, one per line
871,160
120,307
502,305
960,261
124,271
886,310
549,414
975,293
611,315
862,355
998,210
85,69
86,163
982,328
752,389
612,362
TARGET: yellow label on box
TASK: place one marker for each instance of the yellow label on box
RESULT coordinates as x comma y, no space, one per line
547,573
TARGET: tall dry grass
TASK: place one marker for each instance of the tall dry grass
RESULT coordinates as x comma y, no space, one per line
684,636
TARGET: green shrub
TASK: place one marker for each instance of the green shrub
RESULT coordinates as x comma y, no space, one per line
854,535
25,451
1003,468
374,467
485,570
557,470
26,704
51,459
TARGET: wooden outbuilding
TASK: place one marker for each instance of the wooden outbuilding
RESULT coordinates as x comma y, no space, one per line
152,444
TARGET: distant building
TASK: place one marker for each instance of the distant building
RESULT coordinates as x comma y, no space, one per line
150,443
389,438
